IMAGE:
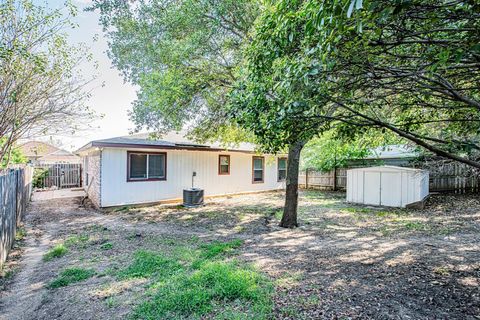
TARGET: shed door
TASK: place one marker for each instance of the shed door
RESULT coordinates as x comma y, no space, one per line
371,188
391,189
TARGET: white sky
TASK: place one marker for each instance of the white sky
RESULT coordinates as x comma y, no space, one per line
114,99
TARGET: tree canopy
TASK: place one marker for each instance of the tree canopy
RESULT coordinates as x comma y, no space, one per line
409,67
182,55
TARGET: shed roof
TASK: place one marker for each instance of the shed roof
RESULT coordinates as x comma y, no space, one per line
387,169
172,140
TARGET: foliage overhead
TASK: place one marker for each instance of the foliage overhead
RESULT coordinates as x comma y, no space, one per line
41,90
182,55
409,67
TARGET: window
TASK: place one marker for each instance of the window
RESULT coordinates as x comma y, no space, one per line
223,164
282,169
146,166
258,167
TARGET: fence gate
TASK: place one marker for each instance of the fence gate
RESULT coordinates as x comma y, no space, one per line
61,175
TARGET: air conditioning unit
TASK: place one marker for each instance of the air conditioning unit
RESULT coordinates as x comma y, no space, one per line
192,197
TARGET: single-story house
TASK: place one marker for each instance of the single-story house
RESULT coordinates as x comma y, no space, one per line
138,170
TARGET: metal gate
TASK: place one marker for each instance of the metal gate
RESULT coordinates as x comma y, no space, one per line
61,175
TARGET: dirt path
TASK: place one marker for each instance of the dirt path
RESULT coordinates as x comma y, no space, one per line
25,295
45,220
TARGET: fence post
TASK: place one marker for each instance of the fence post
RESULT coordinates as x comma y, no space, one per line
334,178
306,178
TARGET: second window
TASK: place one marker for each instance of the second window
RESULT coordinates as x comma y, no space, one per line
258,164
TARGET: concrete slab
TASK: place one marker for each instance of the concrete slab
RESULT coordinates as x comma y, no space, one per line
57,194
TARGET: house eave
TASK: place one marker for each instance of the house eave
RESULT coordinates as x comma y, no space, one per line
99,144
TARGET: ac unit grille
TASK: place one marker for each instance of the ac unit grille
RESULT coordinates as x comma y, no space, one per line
192,197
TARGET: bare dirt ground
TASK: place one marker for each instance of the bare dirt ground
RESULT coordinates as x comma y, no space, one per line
344,262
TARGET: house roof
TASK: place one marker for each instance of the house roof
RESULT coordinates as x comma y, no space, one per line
43,151
37,149
171,140
392,152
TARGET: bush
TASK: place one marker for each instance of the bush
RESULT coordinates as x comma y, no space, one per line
39,176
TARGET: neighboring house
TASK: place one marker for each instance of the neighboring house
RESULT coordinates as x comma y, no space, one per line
38,152
135,170
392,155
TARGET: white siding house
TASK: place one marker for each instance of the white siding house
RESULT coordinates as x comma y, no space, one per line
387,186
135,170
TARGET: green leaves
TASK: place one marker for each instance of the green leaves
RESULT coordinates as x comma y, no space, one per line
183,56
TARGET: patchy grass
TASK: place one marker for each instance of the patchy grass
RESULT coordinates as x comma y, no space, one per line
206,290
199,281
79,241
56,252
106,246
415,226
147,264
20,234
216,248
71,275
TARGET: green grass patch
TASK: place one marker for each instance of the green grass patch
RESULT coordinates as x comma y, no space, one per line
213,284
71,275
80,241
415,226
147,264
56,252
20,234
216,248
199,281
106,246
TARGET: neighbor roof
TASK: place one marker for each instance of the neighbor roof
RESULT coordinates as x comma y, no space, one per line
393,152
171,140
37,148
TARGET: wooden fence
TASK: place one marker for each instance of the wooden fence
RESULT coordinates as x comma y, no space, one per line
15,192
61,175
445,176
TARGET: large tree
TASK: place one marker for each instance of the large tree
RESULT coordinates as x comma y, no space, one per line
182,54
408,67
41,90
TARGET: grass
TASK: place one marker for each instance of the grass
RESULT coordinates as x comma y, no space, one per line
71,275
216,248
415,226
56,252
20,234
106,246
199,281
147,264
80,241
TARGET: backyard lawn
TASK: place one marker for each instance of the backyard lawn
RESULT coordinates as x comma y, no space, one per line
230,260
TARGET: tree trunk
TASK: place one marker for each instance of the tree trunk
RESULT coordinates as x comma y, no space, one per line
289,218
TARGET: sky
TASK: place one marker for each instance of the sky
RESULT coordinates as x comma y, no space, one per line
113,99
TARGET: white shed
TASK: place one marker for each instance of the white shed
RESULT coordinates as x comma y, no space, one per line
387,186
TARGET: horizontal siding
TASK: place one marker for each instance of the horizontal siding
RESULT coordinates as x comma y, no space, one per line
180,165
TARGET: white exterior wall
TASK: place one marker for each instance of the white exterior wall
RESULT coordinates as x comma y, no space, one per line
116,190
387,186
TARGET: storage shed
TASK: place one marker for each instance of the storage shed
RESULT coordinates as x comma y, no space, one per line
387,186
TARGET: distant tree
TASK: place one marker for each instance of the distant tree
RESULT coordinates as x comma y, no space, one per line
329,150
182,55
15,157
41,90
